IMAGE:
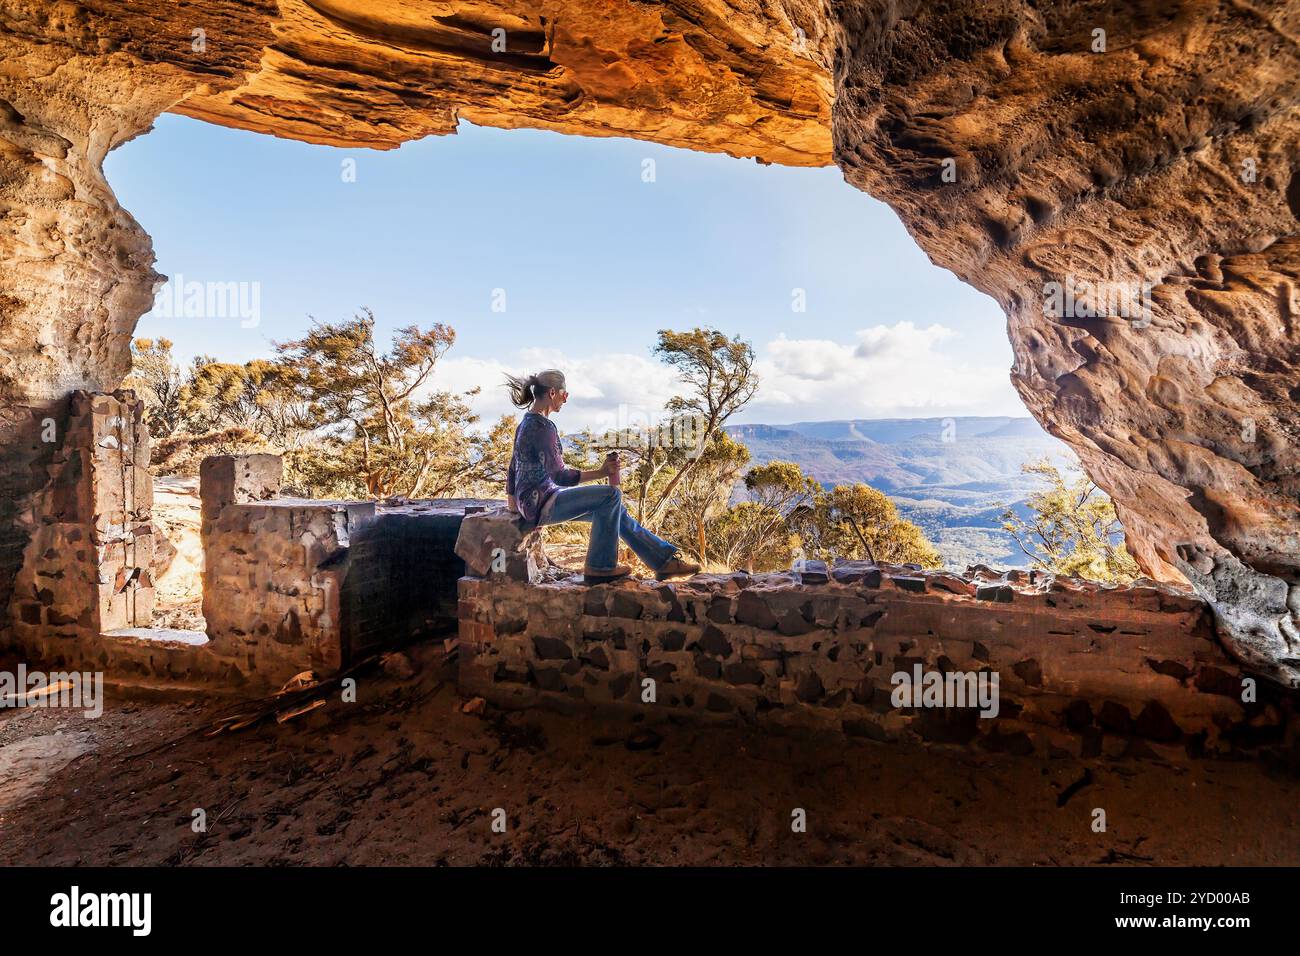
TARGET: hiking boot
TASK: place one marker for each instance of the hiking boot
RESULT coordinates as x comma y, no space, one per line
595,576
676,568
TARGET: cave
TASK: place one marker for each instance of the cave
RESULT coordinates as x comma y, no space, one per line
1123,180
1025,147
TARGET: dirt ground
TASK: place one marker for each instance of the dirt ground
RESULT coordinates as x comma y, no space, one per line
402,776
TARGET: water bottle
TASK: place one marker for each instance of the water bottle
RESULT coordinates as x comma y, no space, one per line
616,477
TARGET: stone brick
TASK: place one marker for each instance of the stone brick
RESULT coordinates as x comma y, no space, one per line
742,673
752,610
593,604
237,479
673,640
794,623
674,611
720,610
626,603
488,538
708,667
1078,715
809,688
596,657
813,572
1030,672
714,642
551,649
1115,718
1155,722
662,672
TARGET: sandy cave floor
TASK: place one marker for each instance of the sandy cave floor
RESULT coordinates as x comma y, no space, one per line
404,777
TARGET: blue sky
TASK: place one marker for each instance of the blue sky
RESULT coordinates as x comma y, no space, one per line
592,259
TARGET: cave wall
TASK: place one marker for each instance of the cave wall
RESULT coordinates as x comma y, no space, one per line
1168,163
1064,164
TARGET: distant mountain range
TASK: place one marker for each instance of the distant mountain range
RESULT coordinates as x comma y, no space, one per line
951,476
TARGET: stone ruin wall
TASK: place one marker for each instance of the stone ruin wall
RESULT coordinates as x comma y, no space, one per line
87,566
273,570
1083,669
293,584
289,584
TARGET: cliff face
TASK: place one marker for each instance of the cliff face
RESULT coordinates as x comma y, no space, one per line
1162,173
737,77
1069,173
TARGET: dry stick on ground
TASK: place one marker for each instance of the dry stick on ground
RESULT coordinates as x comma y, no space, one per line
269,706
290,702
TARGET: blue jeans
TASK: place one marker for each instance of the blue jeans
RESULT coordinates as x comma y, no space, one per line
602,505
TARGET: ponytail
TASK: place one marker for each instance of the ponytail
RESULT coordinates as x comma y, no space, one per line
527,389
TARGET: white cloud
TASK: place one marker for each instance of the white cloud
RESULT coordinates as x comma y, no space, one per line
897,371
614,390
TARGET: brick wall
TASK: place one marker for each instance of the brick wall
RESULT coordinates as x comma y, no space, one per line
86,564
289,584
274,570
409,587
295,584
1081,669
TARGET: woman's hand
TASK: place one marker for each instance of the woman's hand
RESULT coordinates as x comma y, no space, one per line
605,470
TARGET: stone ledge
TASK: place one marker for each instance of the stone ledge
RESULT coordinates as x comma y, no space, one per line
494,542
1082,669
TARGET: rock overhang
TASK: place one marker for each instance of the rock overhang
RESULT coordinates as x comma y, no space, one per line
1139,145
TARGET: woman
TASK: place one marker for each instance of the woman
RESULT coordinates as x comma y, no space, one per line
541,488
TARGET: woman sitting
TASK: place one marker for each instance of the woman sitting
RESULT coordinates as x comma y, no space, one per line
541,488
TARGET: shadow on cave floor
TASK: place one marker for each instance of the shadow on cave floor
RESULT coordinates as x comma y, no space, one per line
404,777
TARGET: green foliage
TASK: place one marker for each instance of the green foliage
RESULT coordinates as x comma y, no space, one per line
1073,529
718,373
756,534
262,396
858,522
703,491
158,383
351,419
355,420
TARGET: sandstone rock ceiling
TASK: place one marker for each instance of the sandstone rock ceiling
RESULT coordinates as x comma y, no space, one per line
1121,167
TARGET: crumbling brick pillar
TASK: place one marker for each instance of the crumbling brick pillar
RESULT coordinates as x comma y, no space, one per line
86,567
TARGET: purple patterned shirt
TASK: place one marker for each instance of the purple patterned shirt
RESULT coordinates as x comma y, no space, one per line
537,468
